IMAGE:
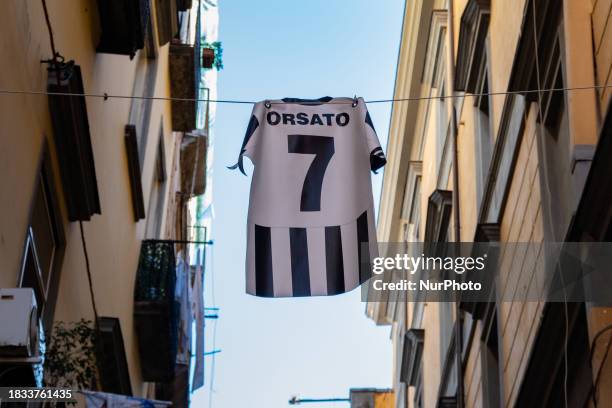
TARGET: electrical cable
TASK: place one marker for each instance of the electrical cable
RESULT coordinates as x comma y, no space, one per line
89,278
527,91
107,96
85,253
48,21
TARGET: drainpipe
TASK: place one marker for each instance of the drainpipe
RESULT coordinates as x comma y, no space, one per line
450,91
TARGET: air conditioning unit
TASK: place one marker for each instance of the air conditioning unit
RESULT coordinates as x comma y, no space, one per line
19,336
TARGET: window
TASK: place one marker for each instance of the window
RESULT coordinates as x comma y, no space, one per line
489,360
447,324
150,47
411,205
112,363
415,211
471,76
556,148
483,137
44,244
32,276
418,400
442,127
144,86
412,211
158,191
418,394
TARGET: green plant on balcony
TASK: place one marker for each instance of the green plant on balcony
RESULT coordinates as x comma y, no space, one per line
71,360
212,55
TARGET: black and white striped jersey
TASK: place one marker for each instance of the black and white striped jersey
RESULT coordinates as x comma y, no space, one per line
311,217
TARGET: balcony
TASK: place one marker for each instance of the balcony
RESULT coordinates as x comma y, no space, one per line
156,312
124,26
183,86
193,163
167,20
168,302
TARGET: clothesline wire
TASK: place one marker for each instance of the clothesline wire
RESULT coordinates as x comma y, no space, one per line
107,96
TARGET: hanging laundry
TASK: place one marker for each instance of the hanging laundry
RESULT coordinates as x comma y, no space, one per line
198,309
107,400
183,295
310,228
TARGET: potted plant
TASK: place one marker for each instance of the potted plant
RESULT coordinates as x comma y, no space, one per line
70,360
212,55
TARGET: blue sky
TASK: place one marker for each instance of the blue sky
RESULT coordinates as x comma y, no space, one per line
316,347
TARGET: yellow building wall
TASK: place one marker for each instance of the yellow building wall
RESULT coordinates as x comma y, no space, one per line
504,30
602,46
113,238
383,400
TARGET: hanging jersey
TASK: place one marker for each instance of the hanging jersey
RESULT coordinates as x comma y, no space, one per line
311,218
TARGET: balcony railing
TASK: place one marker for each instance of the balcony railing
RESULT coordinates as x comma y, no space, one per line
156,310
124,26
163,306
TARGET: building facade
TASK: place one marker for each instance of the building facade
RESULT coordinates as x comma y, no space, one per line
527,166
371,398
90,182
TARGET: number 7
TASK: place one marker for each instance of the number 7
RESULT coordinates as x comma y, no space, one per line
323,149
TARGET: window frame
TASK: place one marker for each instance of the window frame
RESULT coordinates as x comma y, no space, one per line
483,126
490,353
411,202
157,193
45,178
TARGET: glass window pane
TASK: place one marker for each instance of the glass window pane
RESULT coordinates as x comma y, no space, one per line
42,231
31,277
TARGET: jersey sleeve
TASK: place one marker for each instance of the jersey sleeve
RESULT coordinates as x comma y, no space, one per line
377,156
249,144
